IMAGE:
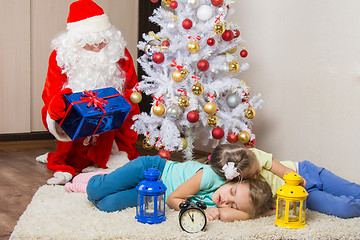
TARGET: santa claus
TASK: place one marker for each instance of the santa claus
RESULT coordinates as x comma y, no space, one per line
90,55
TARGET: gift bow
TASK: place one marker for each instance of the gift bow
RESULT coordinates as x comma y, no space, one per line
92,99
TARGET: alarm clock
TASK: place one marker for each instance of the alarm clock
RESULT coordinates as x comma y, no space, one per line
192,217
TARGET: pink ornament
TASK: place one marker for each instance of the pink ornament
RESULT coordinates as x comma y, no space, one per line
187,23
154,1
203,65
211,42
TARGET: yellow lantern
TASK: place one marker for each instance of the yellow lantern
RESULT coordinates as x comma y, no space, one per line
291,203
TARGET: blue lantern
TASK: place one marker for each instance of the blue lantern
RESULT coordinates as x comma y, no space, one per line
150,206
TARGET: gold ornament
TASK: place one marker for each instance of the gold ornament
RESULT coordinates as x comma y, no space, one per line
183,101
210,108
159,109
233,66
135,97
184,72
184,143
212,120
219,28
167,2
197,89
232,50
176,76
244,137
193,47
250,113
146,143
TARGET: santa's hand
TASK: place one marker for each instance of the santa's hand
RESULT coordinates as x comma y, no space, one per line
57,105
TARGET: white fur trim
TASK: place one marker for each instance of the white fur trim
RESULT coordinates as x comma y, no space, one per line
56,130
94,24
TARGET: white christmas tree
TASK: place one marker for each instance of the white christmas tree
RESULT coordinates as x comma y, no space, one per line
192,69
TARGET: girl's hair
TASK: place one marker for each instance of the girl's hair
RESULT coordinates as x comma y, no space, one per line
242,157
261,197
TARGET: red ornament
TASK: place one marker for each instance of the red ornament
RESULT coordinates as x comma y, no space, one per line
154,1
210,41
218,133
203,65
164,154
243,53
232,137
187,23
173,4
165,43
228,35
217,2
250,144
193,116
158,57
236,33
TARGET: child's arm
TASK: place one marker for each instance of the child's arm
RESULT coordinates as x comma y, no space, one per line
231,214
189,187
280,170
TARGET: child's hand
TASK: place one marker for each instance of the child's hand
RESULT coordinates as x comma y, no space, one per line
303,182
212,213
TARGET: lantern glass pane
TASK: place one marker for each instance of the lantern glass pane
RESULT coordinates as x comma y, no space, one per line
148,205
294,211
281,206
161,205
138,205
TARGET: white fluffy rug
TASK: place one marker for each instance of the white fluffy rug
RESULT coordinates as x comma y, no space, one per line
56,214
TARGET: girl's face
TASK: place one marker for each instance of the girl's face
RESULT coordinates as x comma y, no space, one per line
252,172
233,195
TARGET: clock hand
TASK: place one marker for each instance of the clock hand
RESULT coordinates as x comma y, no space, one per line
191,217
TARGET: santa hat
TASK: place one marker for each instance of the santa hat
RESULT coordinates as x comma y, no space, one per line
85,16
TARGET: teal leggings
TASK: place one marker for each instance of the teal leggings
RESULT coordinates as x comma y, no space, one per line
116,190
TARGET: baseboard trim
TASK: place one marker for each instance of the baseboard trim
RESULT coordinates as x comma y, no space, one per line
26,136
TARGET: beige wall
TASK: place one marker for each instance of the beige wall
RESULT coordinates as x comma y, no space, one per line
305,60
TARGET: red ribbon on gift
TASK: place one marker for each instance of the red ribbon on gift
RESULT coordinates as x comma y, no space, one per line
92,99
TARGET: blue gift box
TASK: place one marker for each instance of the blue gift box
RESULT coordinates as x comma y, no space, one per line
93,112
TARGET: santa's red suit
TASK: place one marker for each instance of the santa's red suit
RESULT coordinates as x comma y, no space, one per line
73,156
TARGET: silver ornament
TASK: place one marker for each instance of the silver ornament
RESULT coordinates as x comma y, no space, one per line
149,48
222,10
204,12
233,100
193,3
174,112
171,26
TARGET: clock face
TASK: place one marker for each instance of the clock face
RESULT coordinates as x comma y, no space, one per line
192,220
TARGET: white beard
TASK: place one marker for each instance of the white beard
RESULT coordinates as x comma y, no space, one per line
88,70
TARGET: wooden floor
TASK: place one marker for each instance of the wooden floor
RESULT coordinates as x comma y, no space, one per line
21,176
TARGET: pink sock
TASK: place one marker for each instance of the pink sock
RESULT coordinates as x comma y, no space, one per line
79,182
